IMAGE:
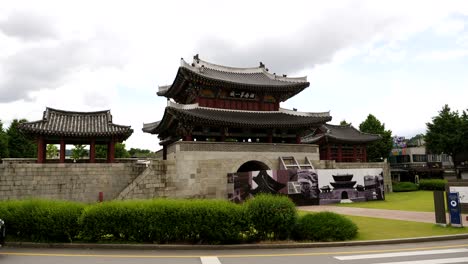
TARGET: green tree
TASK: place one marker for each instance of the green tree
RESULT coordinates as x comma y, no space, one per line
51,151
101,151
3,142
448,134
19,145
78,152
380,149
139,153
120,151
344,123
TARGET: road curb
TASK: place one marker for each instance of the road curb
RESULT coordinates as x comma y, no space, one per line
239,246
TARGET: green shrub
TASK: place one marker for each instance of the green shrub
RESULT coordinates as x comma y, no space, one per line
405,187
432,184
41,220
272,216
165,221
324,226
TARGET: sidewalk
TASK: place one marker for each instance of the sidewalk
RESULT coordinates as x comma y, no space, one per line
425,217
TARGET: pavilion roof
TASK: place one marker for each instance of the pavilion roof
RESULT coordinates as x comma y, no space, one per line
206,116
254,79
76,124
336,133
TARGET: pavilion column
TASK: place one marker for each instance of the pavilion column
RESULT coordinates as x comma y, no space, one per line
328,152
223,134
188,137
354,153
340,153
164,152
111,151
270,137
41,149
92,151
298,139
62,150
364,153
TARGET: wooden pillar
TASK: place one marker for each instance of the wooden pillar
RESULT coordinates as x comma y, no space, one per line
328,152
340,153
62,150
92,151
164,152
222,132
354,153
111,151
298,139
364,153
41,149
270,137
188,137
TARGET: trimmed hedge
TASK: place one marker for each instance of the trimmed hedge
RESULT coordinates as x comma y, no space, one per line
42,220
265,217
165,221
432,184
272,216
324,226
405,187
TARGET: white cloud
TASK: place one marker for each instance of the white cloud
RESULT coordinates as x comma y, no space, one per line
90,55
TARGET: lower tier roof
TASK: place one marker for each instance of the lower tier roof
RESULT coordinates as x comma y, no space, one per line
195,115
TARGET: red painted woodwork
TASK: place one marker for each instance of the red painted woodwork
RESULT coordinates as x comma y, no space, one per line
364,154
41,150
340,153
111,151
92,151
62,151
188,137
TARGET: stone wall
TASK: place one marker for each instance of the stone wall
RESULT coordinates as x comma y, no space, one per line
78,182
192,170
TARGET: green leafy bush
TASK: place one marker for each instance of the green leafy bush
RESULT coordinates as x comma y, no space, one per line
272,216
405,187
324,226
165,221
41,220
432,184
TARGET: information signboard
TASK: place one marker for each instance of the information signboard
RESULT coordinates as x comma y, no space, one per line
454,209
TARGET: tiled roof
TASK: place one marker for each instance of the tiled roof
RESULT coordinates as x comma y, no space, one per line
236,118
254,79
76,124
339,133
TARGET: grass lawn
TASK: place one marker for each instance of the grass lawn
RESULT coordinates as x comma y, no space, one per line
371,228
421,201
377,228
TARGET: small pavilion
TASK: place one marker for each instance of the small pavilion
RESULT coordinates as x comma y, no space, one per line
341,143
67,127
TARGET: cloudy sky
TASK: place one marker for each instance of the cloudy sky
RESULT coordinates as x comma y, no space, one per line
398,60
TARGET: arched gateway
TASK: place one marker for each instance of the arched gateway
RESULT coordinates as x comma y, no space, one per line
67,127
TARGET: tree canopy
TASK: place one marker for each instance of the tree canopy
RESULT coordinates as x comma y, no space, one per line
120,151
448,133
19,145
3,142
376,151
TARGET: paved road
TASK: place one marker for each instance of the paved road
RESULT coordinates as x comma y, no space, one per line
455,251
426,217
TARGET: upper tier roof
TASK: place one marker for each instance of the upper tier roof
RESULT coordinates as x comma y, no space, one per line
76,124
334,133
249,79
235,118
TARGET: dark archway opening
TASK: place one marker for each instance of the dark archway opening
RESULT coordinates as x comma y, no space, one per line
344,195
253,165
